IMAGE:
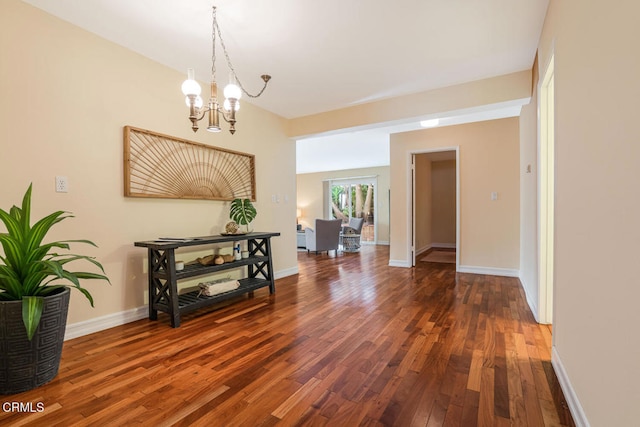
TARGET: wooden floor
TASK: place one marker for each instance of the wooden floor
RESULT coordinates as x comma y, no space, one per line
347,342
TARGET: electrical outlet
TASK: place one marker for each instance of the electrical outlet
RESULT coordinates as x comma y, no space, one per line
62,184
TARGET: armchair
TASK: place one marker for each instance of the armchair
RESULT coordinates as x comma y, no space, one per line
325,236
354,227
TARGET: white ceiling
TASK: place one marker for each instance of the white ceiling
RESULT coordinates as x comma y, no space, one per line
324,54
328,54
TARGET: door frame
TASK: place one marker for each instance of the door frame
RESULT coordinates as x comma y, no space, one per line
411,214
546,193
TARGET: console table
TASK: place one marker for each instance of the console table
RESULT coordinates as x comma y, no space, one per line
163,276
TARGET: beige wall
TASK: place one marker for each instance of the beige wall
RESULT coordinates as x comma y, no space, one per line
310,196
423,203
489,159
435,203
66,95
597,235
443,222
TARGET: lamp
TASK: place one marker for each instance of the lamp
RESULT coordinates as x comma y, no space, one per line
232,92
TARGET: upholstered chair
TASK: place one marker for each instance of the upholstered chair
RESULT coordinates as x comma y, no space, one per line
354,227
325,236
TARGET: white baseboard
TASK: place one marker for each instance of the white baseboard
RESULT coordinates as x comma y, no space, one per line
444,245
98,324
284,273
399,263
533,306
435,246
422,250
579,417
507,272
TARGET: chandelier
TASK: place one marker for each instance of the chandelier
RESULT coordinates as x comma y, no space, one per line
232,92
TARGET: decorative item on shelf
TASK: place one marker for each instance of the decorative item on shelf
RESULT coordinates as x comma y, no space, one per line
214,259
245,254
231,228
236,252
232,92
206,260
218,286
179,265
242,212
30,291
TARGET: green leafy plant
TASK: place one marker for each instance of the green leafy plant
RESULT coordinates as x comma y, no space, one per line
29,267
242,212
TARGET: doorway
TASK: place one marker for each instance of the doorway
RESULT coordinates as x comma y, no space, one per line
546,195
435,203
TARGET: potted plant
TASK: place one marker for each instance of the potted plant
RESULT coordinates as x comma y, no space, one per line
34,297
242,212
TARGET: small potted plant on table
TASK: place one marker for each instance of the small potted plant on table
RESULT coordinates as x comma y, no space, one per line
242,212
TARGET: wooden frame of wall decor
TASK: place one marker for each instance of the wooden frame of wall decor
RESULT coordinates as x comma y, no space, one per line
163,166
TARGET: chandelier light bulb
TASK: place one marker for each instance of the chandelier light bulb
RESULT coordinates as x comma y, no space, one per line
197,102
232,91
227,105
190,86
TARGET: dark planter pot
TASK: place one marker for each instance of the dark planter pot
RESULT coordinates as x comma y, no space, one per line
24,364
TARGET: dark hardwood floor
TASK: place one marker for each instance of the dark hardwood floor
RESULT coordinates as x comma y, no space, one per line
347,342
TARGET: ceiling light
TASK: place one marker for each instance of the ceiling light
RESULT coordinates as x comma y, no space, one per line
430,123
232,92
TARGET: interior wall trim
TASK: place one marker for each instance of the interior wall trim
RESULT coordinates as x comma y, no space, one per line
507,272
579,417
400,263
531,299
101,323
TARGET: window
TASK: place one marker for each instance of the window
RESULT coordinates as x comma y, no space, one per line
354,198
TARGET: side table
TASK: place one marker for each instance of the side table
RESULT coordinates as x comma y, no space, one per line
301,238
350,242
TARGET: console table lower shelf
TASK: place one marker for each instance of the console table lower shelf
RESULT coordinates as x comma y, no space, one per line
163,276
191,301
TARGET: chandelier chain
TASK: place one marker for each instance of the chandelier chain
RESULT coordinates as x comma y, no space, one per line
213,49
226,54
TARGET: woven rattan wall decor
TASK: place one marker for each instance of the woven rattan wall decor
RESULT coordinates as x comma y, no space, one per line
162,166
